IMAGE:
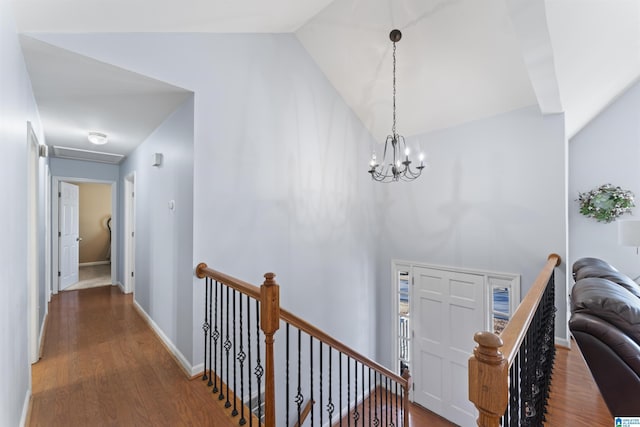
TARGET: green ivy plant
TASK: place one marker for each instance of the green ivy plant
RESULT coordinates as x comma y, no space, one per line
606,203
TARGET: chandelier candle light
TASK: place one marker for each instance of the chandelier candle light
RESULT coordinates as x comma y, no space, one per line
393,168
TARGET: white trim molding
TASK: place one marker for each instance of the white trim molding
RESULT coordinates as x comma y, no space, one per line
182,361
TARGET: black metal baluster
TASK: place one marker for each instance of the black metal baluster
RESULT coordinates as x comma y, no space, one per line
514,401
234,413
330,406
363,396
356,413
369,399
348,391
210,383
227,348
396,407
376,420
299,397
205,325
288,394
259,371
241,357
249,359
386,400
216,336
321,383
340,385
311,377
402,408
221,396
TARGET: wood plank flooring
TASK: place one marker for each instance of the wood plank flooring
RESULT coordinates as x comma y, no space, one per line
103,366
575,399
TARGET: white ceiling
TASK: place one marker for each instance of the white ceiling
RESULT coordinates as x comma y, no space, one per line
124,16
458,60
76,94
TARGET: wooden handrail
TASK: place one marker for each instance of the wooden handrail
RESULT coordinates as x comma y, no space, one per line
489,367
513,334
320,335
203,271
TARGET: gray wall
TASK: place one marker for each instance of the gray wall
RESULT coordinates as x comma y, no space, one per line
280,164
17,106
607,150
491,198
164,237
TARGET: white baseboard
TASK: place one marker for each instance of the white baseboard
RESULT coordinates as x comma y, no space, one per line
43,327
87,264
121,286
25,407
177,355
198,369
563,342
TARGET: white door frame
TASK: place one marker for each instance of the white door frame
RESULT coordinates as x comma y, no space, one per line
129,232
48,269
33,166
55,214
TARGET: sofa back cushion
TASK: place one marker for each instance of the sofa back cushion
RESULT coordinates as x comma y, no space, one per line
609,301
591,262
611,275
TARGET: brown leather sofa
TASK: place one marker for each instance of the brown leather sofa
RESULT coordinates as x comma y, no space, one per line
605,322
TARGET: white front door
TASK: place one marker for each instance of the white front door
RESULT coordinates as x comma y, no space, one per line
449,309
69,238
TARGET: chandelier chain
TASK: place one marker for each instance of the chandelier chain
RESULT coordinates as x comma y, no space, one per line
393,129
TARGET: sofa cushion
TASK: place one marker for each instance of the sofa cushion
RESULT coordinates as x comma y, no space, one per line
609,301
591,262
614,276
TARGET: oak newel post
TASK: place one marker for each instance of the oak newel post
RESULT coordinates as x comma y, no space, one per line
407,376
488,379
269,322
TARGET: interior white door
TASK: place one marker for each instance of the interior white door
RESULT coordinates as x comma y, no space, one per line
69,238
449,308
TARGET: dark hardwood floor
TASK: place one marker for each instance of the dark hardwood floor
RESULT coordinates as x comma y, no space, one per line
575,399
102,365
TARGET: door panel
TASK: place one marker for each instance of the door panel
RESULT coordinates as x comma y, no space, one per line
449,307
69,238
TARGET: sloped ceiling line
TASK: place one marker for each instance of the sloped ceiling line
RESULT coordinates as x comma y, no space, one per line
530,23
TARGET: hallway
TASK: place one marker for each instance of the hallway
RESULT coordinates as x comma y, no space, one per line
102,365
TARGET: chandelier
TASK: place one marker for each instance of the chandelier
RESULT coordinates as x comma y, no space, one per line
395,165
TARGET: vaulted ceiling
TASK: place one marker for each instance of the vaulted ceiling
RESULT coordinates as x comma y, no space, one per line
458,60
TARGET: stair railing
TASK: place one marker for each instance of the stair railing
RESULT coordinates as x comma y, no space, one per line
332,383
510,373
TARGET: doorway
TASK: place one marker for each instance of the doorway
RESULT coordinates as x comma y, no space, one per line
438,310
99,254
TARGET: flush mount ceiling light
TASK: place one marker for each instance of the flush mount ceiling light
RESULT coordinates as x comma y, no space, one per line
393,168
97,138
